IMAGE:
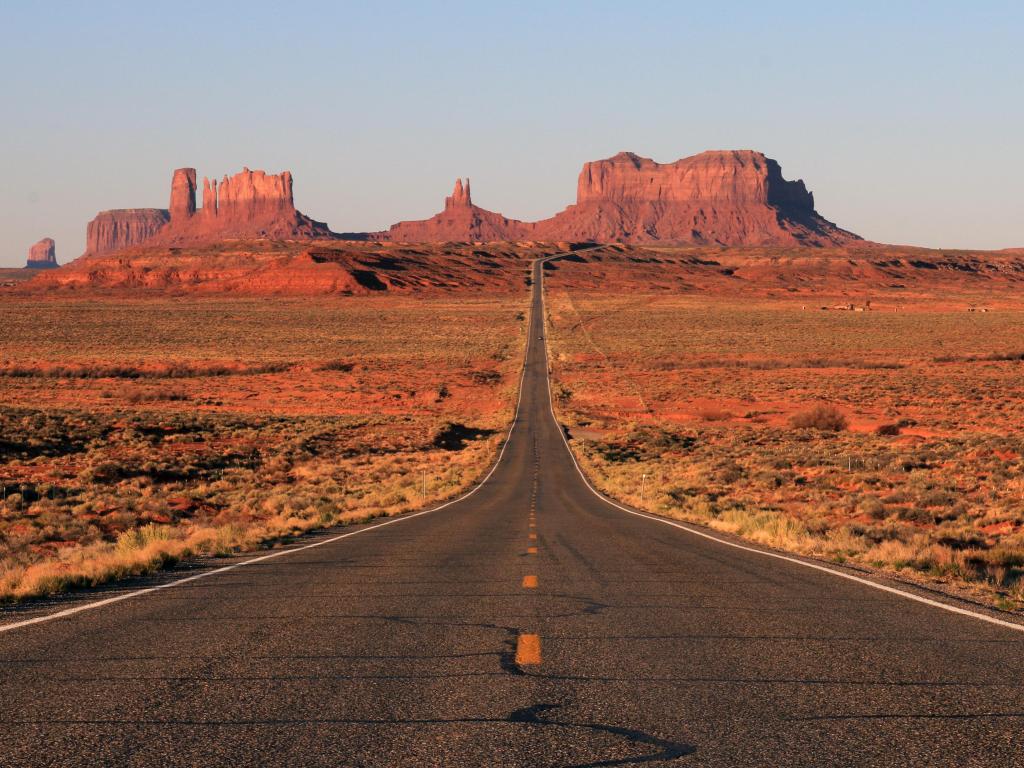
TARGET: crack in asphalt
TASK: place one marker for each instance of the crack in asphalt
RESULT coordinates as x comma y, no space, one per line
668,750
533,715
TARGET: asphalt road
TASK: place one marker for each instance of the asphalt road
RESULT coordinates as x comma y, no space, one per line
424,642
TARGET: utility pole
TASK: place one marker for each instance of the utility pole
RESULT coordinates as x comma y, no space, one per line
424,484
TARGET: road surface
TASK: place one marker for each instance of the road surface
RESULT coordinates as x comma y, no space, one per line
531,624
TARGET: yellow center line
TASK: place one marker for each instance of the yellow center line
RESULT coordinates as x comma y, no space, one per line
528,649
533,537
531,550
530,582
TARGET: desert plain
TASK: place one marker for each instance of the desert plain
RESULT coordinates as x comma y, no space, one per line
139,431
212,379
859,407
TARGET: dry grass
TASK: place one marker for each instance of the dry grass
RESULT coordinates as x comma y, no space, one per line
834,434
827,418
134,434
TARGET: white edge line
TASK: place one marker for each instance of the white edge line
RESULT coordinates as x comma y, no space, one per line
205,574
696,532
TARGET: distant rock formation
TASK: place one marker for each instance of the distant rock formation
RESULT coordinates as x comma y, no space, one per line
42,255
250,204
728,197
736,197
460,197
183,194
461,221
124,227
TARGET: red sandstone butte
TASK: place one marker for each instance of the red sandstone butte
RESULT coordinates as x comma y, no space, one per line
460,221
729,197
250,204
42,255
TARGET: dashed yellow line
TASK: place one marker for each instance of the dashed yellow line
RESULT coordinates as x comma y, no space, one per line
531,550
529,582
528,649
533,537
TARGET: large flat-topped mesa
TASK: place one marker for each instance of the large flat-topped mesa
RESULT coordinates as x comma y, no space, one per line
729,197
249,204
739,176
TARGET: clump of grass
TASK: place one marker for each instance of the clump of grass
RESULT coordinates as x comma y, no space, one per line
344,366
488,376
139,396
826,418
711,413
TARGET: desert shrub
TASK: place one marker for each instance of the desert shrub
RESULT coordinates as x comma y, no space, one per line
485,377
616,453
103,472
937,498
711,413
453,436
887,429
159,395
826,418
873,507
336,365
139,538
916,515
729,473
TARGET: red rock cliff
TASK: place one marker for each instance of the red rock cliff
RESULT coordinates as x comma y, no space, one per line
729,197
42,255
113,230
183,194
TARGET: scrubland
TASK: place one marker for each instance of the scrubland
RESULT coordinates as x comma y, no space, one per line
134,433
891,440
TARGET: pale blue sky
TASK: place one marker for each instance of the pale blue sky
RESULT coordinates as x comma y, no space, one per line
905,119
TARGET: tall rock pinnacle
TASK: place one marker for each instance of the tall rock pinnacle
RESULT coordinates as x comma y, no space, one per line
209,198
183,194
460,196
